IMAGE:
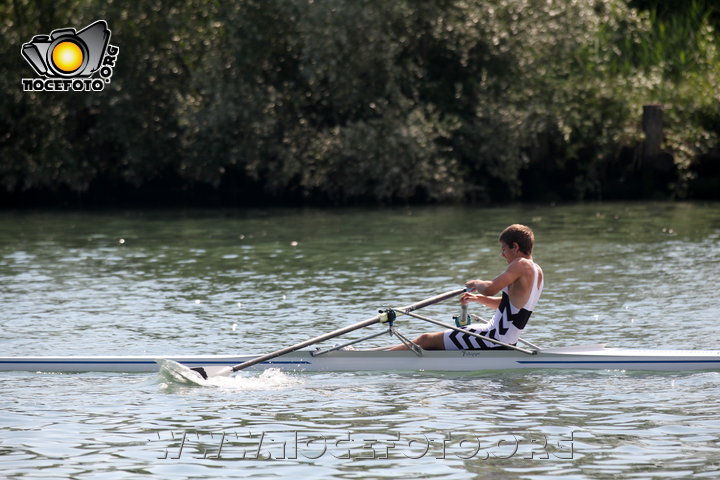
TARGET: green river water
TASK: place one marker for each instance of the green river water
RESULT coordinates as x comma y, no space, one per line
249,281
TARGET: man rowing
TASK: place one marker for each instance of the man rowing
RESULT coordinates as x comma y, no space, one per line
521,284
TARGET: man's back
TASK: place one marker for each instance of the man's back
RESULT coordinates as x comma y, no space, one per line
529,275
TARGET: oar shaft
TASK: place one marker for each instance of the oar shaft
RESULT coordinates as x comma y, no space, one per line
344,330
431,300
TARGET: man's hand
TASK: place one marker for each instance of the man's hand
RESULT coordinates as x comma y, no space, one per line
467,298
477,285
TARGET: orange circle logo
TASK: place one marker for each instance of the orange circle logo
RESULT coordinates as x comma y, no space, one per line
67,56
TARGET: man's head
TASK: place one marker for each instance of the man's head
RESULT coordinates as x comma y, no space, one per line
520,235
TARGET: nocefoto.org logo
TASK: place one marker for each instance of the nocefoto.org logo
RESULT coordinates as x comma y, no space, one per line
66,59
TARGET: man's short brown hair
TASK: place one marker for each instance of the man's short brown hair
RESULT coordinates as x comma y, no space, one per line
520,234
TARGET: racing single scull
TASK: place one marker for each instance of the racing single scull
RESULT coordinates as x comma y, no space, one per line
579,357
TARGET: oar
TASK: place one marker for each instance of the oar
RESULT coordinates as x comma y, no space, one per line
380,318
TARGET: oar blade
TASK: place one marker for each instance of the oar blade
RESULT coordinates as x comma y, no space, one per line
177,373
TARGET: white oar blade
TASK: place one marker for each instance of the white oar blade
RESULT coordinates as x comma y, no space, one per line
175,372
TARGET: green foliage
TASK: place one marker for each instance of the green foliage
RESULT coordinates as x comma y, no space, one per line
363,100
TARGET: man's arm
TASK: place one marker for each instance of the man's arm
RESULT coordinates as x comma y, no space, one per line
492,287
492,302
487,288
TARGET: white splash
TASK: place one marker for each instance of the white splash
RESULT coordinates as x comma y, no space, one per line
270,379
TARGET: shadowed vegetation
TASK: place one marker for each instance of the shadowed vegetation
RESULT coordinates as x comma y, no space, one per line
367,101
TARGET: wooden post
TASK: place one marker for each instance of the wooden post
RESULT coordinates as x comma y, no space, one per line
658,171
653,128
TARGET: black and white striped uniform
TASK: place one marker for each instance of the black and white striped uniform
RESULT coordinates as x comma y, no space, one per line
506,325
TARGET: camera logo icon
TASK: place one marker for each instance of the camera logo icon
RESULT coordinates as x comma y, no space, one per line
67,54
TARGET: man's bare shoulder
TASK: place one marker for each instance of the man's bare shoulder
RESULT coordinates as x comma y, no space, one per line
522,265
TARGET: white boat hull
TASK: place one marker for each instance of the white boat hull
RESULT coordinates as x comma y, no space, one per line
596,357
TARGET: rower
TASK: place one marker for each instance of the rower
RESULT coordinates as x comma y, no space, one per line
521,285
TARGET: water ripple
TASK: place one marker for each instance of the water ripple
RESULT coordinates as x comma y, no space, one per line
229,282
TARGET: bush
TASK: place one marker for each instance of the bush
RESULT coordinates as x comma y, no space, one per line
341,101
